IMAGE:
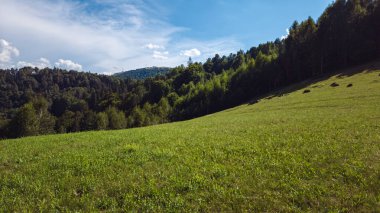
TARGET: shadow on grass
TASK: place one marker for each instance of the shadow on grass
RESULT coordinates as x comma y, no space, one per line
342,73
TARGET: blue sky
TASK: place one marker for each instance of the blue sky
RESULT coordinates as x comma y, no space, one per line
249,21
108,36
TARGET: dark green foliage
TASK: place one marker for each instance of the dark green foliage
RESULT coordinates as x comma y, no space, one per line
67,122
143,73
116,118
32,118
162,110
157,89
137,117
102,121
193,73
25,122
46,121
89,121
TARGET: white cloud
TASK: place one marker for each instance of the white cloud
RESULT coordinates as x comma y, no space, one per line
41,63
153,46
65,30
285,36
191,53
68,64
120,34
45,61
160,55
7,51
21,64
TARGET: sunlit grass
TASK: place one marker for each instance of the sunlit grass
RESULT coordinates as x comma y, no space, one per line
318,151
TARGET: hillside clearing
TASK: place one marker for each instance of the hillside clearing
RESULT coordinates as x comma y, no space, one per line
292,151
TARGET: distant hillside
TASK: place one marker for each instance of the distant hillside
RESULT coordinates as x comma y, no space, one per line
143,73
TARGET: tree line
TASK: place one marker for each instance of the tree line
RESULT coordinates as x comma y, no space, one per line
45,101
143,73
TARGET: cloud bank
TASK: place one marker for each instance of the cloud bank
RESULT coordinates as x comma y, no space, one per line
100,36
41,63
68,64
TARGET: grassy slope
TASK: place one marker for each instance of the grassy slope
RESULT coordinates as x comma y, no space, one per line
317,151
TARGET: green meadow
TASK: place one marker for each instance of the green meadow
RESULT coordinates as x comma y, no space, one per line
309,147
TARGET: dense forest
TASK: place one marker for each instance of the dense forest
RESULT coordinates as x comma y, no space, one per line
44,101
143,73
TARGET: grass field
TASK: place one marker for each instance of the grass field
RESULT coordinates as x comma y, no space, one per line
318,151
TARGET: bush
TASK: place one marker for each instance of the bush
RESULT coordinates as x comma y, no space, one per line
116,118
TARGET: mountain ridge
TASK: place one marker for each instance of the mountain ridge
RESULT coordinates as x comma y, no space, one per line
143,73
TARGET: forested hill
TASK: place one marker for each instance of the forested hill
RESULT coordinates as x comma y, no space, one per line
36,101
143,73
